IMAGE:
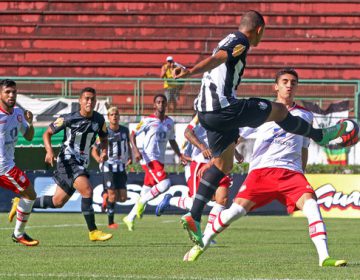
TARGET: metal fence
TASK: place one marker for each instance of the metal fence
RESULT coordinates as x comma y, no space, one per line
134,96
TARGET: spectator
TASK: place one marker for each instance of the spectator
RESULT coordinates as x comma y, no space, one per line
171,86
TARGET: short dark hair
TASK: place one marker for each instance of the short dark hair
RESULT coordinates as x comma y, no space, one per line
7,83
251,20
160,95
287,70
87,89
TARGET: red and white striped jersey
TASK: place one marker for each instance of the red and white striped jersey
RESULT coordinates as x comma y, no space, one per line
10,126
157,134
274,147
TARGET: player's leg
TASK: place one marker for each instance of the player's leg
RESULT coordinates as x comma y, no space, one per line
82,184
207,188
58,200
17,181
111,200
162,184
238,209
317,229
221,198
297,125
129,219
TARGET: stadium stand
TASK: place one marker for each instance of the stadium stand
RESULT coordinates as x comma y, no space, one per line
131,38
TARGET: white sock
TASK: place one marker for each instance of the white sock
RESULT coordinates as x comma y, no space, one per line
222,221
182,202
317,229
159,188
22,215
132,214
217,208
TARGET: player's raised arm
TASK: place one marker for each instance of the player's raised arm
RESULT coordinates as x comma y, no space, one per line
203,66
29,134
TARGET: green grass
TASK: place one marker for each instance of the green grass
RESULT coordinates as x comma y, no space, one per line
254,247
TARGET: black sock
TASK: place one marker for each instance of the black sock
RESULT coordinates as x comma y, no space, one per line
44,202
297,125
88,212
110,210
207,188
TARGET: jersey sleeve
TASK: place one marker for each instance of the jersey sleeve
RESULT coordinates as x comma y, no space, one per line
234,46
172,131
59,124
193,123
141,127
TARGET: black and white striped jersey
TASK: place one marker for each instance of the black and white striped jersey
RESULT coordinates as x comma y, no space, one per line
218,86
118,150
79,135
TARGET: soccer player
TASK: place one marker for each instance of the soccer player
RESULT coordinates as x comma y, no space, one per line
114,169
80,131
12,121
158,129
200,155
221,113
276,171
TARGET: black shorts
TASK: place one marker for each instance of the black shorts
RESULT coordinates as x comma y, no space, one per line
65,174
114,180
223,125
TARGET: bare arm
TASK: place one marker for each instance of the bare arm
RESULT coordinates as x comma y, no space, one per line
95,153
129,155
176,149
192,138
163,71
207,64
29,134
135,149
49,157
103,148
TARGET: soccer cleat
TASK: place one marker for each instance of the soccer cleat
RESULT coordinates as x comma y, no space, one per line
15,202
333,262
140,208
25,240
193,228
129,224
104,202
113,226
98,235
194,253
333,132
165,203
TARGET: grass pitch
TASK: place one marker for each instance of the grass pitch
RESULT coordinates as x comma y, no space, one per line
255,247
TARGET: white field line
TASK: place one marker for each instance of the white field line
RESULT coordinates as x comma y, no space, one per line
75,225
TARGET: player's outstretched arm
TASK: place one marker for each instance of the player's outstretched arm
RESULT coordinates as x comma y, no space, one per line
203,66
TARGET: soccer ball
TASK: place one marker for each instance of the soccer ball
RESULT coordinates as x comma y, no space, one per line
350,137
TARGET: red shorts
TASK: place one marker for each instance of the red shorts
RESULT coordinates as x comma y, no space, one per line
15,180
154,173
194,179
264,185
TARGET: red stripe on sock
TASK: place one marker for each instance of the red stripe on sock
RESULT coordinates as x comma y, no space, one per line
317,234
315,223
23,221
220,222
23,213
